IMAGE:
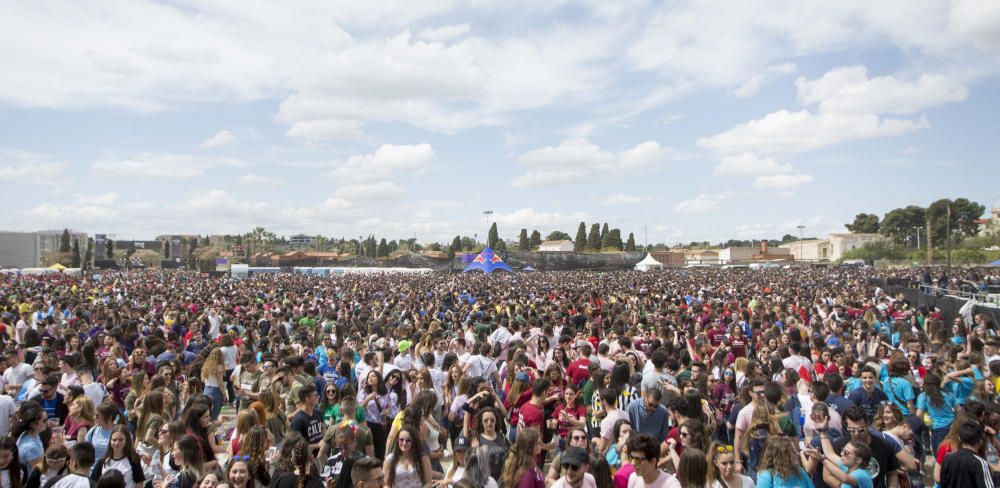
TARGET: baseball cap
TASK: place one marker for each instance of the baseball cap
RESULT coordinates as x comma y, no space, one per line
575,456
404,345
462,443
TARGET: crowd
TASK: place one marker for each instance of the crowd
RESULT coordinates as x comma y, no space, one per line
676,378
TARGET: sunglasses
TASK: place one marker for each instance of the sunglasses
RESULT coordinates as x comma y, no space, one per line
570,467
241,458
724,449
578,438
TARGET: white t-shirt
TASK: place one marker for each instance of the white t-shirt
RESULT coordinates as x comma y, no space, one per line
124,467
664,480
229,356
588,482
7,410
95,392
17,375
747,483
73,481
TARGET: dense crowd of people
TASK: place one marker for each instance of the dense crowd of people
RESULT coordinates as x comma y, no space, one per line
675,378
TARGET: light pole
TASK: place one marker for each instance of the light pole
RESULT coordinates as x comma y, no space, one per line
802,256
357,259
916,230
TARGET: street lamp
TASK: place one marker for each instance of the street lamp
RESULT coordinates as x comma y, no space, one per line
802,256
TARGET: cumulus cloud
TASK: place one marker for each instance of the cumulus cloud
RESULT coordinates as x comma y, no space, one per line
782,180
369,191
579,159
445,32
33,172
849,90
701,204
531,218
221,138
387,161
749,164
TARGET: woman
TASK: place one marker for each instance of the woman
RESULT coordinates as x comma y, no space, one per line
488,430
254,450
692,470
238,473
163,455
54,463
477,468
723,471
100,434
13,469
890,421
377,401
212,479
692,435
570,413
275,420
213,373
781,465
520,469
197,421
150,418
67,366
407,465
29,424
137,385
112,377
620,434
294,469
229,353
331,400
518,394
187,454
81,417
724,395
121,457
245,420
939,406
576,437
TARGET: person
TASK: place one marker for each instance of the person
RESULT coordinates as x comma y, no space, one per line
460,448
81,417
884,465
644,452
966,468
53,464
407,465
575,464
187,454
197,420
254,451
868,397
300,460
11,467
338,458
307,420
940,405
100,434
31,422
122,457
249,385
576,437
612,415
781,465
111,479
213,374
478,470
692,470
238,473
367,473
723,470
648,415
81,458
521,469
847,470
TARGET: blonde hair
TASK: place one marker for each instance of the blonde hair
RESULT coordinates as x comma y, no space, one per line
521,457
741,364
246,420
780,457
85,408
213,364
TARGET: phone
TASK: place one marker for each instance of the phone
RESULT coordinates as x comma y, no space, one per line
802,446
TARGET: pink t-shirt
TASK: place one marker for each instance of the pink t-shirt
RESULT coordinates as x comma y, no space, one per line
531,478
623,474
664,480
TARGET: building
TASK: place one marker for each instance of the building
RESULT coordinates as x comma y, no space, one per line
19,250
49,240
701,256
808,250
301,240
296,258
668,258
841,243
990,226
736,255
556,246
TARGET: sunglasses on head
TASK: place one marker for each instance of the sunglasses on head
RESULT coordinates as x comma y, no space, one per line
724,449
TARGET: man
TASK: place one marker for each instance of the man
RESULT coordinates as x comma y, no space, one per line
501,337
836,399
796,361
248,386
31,386
367,473
51,400
647,415
96,392
532,414
716,334
307,421
578,370
654,374
337,464
848,469
609,398
81,458
868,397
884,465
746,413
349,410
404,360
644,452
575,464
17,371
481,366
965,468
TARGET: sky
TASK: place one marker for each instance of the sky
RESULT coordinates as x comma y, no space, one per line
677,121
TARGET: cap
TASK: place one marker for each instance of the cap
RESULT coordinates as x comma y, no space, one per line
404,345
461,443
522,376
575,456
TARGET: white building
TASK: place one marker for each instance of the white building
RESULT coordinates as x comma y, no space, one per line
556,246
809,250
301,240
841,243
733,255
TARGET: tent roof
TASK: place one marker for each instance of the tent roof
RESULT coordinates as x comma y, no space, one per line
57,266
649,260
487,261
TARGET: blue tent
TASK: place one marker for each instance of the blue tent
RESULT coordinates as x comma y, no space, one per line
995,263
487,262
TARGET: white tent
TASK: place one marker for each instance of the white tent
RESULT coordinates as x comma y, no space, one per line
648,263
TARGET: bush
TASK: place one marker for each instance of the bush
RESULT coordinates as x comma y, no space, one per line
876,251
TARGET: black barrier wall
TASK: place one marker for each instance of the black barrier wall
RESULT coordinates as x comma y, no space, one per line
949,305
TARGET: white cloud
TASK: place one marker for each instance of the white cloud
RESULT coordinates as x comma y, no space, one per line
255,179
701,204
102,200
750,87
369,191
579,159
33,173
445,33
221,138
327,129
163,166
782,180
619,199
530,218
976,20
749,164
387,161
848,90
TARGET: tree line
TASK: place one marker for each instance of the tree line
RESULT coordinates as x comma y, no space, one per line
908,225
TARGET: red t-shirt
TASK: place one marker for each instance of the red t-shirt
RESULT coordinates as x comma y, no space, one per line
514,407
715,336
530,415
576,412
578,371
739,345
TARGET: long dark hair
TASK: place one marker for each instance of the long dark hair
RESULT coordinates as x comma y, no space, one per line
192,420
380,388
416,451
190,449
9,443
130,452
932,388
29,413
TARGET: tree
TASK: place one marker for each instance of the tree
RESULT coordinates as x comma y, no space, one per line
75,253
192,247
604,231
536,239
876,250
383,249
594,237
109,249
493,236
612,240
558,235
580,243
166,248
963,216
630,245
64,245
500,246
900,222
522,241
456,244
864,223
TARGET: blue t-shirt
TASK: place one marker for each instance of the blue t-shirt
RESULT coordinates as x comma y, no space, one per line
862,476
100,438
29,448
941,417
899,392
766,480
962,388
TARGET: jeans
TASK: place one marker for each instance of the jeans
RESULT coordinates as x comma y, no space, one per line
215,394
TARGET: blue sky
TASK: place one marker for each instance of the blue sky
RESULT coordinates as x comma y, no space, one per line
699,120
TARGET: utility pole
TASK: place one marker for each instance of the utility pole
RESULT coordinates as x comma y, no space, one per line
930,242
802,256
948,233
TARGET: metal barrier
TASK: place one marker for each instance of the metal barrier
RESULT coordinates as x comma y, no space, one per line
983,298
